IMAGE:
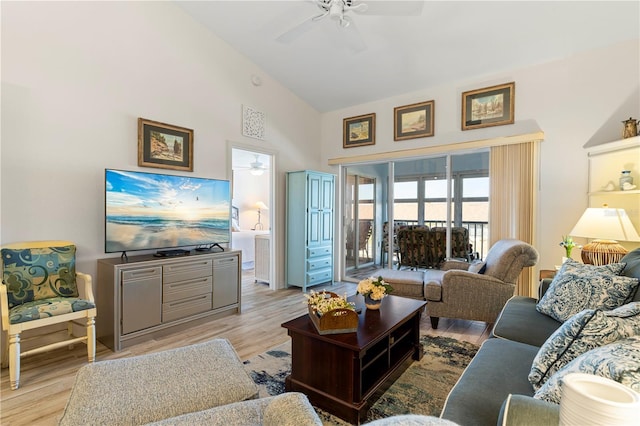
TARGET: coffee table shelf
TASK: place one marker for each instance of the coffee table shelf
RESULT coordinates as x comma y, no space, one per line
345,374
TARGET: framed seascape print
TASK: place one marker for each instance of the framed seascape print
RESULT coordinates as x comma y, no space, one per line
413,121
491,106
359,131
164,146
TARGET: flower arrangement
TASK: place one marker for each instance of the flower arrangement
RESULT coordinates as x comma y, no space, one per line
323,302
375,288
568,244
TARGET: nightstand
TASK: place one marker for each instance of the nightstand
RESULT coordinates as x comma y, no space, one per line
547,273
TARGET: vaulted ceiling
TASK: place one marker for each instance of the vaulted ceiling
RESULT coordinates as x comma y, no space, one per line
432,43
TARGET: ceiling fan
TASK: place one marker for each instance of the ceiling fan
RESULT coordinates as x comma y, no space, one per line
257,168
340,12
336,9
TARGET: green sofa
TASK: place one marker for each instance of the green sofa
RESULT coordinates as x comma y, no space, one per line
494,389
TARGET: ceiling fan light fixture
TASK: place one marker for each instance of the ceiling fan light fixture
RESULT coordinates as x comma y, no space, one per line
256,167
336,10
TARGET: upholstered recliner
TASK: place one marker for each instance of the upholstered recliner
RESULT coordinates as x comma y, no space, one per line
39,289
479,294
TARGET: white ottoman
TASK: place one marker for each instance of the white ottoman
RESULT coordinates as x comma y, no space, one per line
404,283
157,386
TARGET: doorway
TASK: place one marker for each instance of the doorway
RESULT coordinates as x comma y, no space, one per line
253,227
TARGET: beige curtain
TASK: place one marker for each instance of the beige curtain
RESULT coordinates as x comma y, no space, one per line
513,175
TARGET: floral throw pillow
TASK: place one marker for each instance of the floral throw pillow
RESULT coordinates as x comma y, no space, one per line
582,332
577,287
619,361
39,273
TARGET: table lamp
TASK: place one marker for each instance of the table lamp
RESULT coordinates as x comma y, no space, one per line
260,206
606,226
590,400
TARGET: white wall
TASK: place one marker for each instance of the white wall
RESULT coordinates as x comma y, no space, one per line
575,101
75,78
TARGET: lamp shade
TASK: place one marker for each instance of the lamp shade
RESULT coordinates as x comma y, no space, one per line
589,400
605,224
261,206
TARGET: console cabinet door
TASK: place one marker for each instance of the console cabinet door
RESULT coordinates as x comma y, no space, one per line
141,298
225,281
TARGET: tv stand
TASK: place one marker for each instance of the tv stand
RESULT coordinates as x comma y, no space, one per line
171,253
147,296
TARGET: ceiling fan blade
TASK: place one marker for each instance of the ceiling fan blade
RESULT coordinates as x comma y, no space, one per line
352,37
319,17
295,32
390,8
360,7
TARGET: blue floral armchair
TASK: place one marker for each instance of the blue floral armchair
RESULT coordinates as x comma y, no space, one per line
38,289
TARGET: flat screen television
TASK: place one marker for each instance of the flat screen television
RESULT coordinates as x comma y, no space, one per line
152,211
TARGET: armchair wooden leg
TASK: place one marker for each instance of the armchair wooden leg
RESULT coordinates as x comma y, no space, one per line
434,322
5,351
14,361
70,333
91,338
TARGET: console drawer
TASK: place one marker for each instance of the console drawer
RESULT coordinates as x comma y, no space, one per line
172,311
186,289
187,270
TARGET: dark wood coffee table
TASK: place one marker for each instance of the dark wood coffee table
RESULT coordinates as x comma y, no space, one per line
345,374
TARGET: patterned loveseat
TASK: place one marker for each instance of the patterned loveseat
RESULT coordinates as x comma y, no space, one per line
423,247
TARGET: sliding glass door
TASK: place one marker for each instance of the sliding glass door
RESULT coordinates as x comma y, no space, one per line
448,194
359,222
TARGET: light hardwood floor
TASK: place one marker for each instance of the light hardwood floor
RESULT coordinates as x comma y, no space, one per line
46,379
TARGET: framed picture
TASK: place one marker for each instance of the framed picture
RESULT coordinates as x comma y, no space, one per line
491,106
164,146
359,131
413,121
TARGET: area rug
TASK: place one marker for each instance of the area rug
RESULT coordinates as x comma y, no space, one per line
421,389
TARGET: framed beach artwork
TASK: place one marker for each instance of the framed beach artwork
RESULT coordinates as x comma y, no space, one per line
164,146
413,121
490,106
359,131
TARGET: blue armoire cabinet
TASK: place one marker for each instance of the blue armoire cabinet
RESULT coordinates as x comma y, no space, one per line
310,219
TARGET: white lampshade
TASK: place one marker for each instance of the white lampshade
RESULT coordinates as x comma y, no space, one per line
605,224
590,400
261,206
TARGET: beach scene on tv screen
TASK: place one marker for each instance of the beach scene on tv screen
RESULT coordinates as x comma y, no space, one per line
152,211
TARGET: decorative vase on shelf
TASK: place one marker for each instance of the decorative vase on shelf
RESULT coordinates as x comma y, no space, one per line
626,180
371,304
